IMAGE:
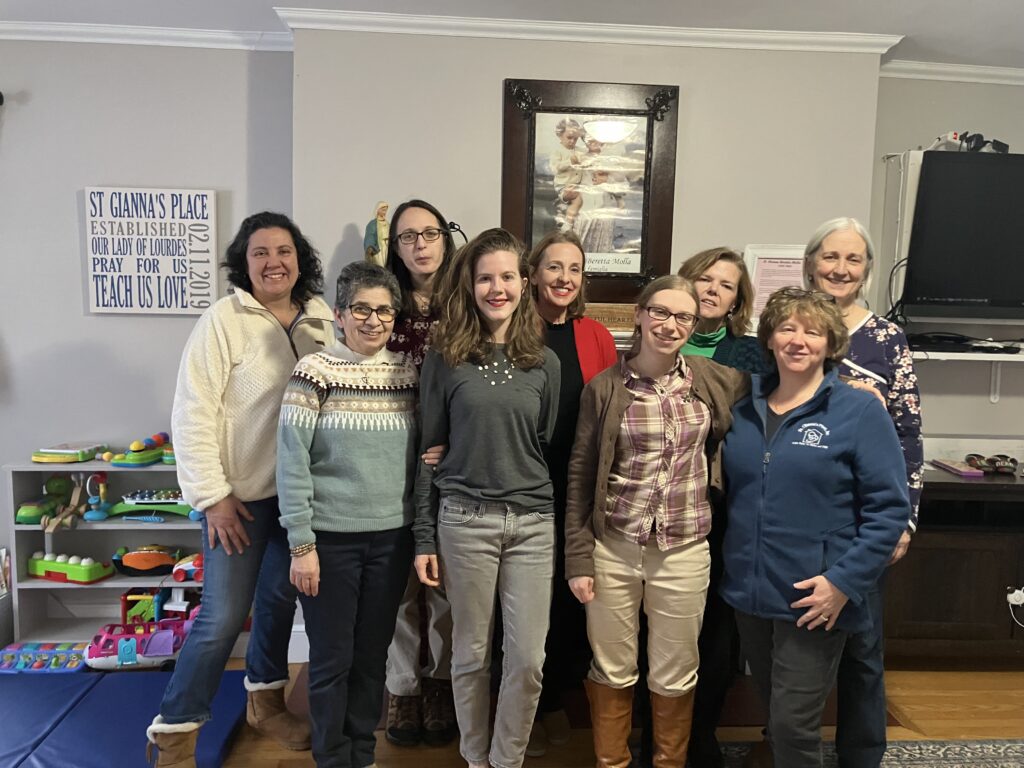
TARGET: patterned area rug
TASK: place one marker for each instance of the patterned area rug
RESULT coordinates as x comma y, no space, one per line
922,754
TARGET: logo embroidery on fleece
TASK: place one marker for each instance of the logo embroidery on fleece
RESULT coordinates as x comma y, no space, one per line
812,434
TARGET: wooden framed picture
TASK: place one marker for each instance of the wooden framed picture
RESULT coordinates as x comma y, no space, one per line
597,159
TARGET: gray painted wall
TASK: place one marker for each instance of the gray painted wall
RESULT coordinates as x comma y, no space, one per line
768,146
78,115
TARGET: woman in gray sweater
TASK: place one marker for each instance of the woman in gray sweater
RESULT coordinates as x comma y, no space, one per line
489,390
349,416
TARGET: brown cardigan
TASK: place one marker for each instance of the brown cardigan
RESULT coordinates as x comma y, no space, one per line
602,406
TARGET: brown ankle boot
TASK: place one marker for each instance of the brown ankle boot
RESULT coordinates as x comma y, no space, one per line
611,717
265,711
175,744
671,717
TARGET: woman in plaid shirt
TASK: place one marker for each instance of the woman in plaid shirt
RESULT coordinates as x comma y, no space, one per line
638,517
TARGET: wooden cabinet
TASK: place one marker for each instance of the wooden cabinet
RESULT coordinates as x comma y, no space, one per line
948,596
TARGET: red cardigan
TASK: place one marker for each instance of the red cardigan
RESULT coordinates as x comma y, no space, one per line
595,347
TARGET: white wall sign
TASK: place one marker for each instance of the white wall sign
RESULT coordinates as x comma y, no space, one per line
151,251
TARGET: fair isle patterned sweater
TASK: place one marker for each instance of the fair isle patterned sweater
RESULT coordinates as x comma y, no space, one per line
346,444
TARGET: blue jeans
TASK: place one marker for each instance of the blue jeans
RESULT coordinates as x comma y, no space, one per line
860,716
489,549
349,624
229,585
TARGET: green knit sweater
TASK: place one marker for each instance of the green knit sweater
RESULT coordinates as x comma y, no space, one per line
346,444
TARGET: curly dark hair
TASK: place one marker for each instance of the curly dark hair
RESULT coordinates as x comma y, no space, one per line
311,275
394,261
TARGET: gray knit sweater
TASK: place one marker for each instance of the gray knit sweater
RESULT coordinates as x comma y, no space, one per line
346,444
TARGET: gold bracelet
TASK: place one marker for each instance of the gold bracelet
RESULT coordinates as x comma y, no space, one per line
303,549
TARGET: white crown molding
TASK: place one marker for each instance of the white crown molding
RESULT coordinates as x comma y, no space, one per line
566,31
961,73
116,34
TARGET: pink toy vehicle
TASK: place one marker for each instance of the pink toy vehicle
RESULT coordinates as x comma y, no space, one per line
137,646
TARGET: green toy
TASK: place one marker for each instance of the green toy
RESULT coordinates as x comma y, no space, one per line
56,492
75,570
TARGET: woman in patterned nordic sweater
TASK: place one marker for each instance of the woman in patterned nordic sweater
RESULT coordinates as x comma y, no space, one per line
346,448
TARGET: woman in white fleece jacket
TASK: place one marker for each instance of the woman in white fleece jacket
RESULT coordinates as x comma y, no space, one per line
232,377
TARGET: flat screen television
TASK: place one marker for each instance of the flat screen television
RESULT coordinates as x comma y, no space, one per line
965,251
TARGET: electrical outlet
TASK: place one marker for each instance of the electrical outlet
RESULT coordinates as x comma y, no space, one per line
1015,596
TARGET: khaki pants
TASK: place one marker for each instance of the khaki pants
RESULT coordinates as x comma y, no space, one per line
672,586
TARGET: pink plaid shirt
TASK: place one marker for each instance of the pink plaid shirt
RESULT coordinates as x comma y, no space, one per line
659,478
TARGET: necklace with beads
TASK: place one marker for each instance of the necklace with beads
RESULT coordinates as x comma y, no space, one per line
497,371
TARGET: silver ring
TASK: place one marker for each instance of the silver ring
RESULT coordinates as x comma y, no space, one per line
824,617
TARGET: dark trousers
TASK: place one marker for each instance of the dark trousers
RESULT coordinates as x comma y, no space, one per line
566,650
350,624
860,724
794,669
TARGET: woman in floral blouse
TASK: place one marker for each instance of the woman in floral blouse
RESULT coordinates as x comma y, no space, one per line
420,706
838,261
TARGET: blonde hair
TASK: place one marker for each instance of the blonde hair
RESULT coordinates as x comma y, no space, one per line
738,319
663,283
818,309
578,305
461,335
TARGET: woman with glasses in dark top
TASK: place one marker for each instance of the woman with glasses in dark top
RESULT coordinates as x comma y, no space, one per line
817,499
638,516
420,706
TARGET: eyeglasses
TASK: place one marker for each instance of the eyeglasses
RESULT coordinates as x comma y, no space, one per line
429,235
363,312
683,319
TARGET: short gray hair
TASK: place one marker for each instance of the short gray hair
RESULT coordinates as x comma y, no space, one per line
361,274
840,224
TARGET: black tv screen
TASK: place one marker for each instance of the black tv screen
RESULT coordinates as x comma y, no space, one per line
966,252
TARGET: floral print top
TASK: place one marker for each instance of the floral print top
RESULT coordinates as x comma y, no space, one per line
879,355
411,335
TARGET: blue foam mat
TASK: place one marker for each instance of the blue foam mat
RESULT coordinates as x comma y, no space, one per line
107,726
30,707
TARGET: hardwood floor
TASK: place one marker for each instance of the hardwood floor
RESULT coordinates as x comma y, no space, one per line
930,704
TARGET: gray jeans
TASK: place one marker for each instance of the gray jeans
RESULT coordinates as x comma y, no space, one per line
795,669
505,550
404,671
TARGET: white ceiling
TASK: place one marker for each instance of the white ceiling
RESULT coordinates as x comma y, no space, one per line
965,32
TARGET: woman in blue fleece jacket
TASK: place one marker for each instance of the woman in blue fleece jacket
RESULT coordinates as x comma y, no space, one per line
817,499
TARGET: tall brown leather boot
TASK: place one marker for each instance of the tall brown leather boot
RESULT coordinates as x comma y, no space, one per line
611,717
175,744
671,717
265,711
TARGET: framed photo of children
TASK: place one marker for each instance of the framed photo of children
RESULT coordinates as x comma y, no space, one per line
597,159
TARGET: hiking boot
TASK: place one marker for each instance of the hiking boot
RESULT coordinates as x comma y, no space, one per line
439,726
556,726
175,744
537,746
404,720
265,711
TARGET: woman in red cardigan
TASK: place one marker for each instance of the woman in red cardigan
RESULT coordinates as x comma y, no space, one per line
584,348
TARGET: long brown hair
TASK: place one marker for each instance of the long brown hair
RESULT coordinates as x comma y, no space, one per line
578,305
738,319
460,335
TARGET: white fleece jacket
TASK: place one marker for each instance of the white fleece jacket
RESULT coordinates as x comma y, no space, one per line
233,373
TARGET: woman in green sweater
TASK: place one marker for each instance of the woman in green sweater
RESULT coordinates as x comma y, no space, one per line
726,306
345,466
